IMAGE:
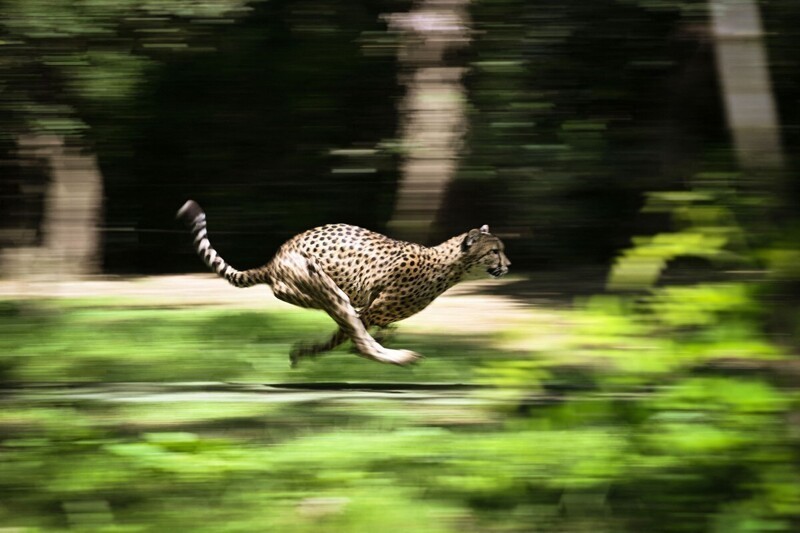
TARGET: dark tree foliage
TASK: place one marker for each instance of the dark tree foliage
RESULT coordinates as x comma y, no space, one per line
254,130
578,109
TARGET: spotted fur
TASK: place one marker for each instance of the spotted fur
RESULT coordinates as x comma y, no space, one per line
360,278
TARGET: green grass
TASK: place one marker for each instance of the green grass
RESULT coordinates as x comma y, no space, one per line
76,341
611,421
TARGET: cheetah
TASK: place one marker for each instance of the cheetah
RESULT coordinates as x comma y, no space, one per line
362,279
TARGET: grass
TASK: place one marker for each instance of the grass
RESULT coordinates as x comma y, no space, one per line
71,342
604,419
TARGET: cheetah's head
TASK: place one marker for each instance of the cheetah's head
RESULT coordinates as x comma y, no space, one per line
484,253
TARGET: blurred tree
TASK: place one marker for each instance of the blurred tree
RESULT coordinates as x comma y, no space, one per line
746,87
61,63
69,245
286,103
433,111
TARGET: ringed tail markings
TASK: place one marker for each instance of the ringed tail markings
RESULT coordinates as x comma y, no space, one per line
195,219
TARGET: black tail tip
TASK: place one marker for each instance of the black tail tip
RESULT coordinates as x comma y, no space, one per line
189,212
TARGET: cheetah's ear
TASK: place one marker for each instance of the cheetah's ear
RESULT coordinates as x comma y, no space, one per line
485,228
470,239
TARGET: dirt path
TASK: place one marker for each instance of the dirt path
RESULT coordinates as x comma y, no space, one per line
466,308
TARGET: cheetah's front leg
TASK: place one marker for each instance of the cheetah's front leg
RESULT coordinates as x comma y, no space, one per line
303,281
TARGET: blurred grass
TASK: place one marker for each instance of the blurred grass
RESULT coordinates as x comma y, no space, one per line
619,416
93,340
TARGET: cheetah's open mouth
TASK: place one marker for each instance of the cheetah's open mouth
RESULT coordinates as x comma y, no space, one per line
496,272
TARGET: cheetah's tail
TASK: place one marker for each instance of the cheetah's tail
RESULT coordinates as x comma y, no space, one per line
195,218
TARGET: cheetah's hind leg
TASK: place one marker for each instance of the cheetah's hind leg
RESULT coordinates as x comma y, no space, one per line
304,283
382,334
303,350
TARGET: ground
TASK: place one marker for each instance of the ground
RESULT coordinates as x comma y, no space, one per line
466,308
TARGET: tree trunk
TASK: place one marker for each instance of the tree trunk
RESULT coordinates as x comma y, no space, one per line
747,92
70,244
432,114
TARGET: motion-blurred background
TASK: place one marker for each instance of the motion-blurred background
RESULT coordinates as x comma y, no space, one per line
638,158
552,121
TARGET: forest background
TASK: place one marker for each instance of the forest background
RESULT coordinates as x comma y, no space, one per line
638,157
